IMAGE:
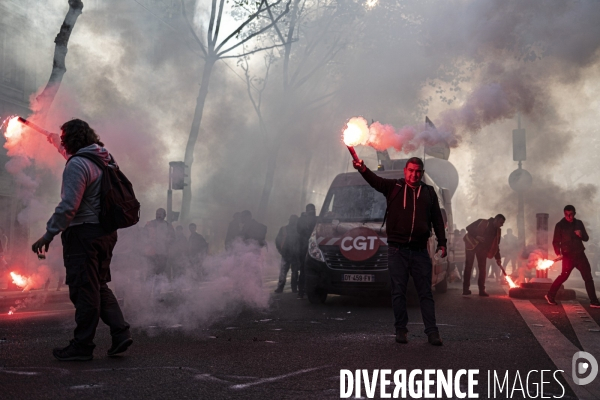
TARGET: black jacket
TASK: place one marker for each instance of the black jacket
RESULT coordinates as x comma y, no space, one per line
491,244
197,244
254,231
287,242
565,240
411,213
305,226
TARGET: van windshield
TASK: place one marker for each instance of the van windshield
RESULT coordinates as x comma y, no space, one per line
354,203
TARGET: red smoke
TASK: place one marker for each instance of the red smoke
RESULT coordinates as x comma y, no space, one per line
382,137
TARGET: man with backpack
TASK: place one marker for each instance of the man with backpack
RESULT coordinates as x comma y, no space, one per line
89,237
413,210
288,245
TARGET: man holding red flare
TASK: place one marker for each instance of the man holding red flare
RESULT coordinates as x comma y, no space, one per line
87,246
482,241
413,209
569,235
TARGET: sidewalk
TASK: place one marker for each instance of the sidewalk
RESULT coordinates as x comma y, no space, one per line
8,298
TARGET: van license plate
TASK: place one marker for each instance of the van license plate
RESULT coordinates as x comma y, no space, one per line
359,278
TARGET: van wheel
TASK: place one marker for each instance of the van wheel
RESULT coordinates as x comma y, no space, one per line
442,287
316,296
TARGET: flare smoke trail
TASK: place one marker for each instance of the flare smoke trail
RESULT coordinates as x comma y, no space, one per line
382,136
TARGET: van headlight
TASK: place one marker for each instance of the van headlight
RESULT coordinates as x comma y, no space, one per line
313,248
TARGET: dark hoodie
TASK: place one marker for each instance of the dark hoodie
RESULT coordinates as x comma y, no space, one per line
80,192
565,241
412,212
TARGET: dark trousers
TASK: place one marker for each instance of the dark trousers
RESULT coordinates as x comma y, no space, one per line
301,273
159,263
471,255
87,251
403,263
512,259
570,262
493,269
285,266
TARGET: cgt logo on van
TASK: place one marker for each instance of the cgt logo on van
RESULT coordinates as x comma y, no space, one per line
359,244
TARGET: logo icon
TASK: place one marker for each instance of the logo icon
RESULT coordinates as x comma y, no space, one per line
359,244
582,368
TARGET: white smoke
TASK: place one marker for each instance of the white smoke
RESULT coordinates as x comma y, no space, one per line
224,285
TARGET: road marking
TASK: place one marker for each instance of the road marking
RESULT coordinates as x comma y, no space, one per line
276,378
89,386
557,347
6,371
63,371
590,341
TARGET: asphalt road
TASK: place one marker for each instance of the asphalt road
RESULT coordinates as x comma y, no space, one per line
295,350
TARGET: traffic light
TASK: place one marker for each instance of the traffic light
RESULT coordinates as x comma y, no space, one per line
178,175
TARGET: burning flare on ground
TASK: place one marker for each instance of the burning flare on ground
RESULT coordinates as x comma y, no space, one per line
18,280
36,280
33,281
21,281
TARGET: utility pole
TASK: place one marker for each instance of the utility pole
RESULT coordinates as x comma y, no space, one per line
176,182
520,179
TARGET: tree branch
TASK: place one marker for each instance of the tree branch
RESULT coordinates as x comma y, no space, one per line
328,57
250,19
251,52
189,25
211,24
59,68
218,21
275,25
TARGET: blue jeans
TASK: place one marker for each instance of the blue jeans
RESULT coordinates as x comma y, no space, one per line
401,264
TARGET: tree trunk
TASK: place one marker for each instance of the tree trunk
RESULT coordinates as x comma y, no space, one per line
191,144
44,100
307,161
271,166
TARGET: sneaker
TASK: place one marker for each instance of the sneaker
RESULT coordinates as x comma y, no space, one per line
595,304
483,293
278,290
401,337
550,300
72,353
119,347
435,339
466,292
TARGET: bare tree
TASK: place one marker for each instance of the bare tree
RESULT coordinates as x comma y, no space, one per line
59,68
311,38
213,49
256,86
